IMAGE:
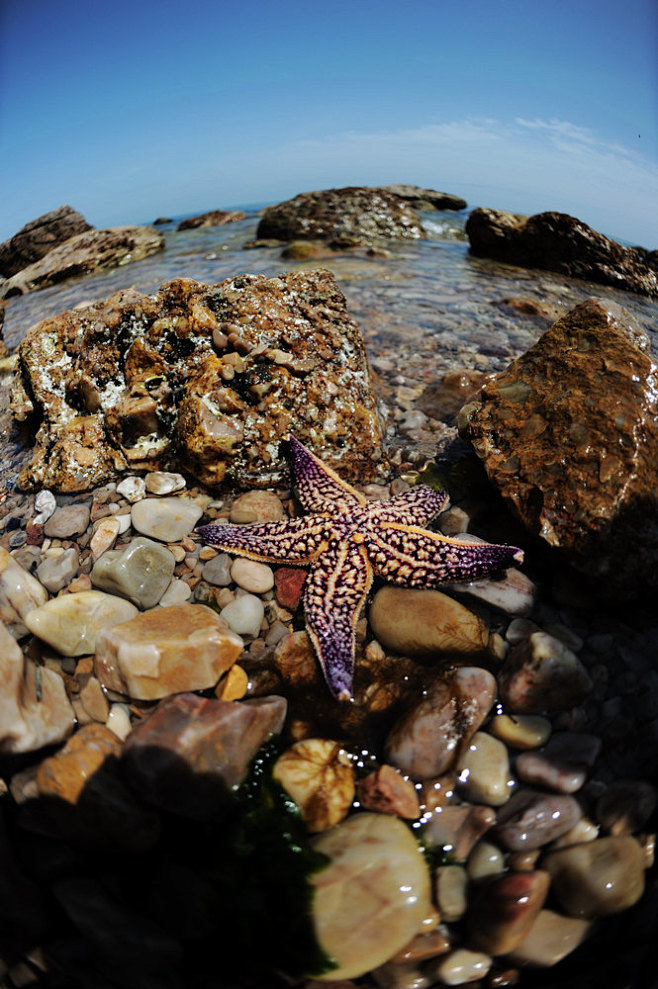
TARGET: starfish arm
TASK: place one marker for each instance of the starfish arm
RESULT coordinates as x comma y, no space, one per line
296,541
319,488
335,592
417,558
417,506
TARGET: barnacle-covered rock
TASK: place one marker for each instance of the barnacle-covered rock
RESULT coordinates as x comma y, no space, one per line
205,377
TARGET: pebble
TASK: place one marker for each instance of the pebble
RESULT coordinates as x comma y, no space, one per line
457,828
450,886
68,521
542,674
104,537
427,740
64,775
140,571
597,878
166,519
504,910
166,651
428,944
425,622
485,860
70,623
521,731
551,938
234,685
319,776
160,482
388,792
58,571
17,539
372,897
289,583
124,522
255,577
256,506
132,488
531,819
387,976
626,806
513,593
118,720
45,504
178,592
461,966
244,614
454,521
563,764
484,773
20,594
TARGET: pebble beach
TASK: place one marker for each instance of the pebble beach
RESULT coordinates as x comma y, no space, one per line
498,762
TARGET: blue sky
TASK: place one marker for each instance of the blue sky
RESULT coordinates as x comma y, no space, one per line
132,110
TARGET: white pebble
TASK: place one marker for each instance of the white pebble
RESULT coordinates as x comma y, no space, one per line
244,615
178,592
252,576
118,721
161,482
45,505
463,966
132,488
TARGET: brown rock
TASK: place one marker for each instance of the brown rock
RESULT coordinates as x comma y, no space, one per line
426,199
388,792
289,584
65,774
457,828
301,250
531,819
350,216
214,218
38,237
425,623
558,242
541,674
505,909
192,752
84,253
569,435
598,877
155,394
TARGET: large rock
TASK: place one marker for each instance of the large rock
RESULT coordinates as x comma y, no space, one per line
426,199
568,433
83,254
558,242
38,237
215,218
344,217
209,377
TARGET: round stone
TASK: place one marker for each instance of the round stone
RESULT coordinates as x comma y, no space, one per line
462,966
256,506
252,576
68,521
244,615
523,731
166,519
217,571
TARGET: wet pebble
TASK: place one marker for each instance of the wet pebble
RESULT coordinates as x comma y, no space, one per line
289,583
513,593
104,537
521,731
550,939
485,860
68,521
160,482
460,967
542,674
425,622
597,878
504,910
132,488
252,576
531,819
140,571
178,592
484,774
319,776
166,519
244,614
20,594
457,828
450,891
563,764
388,792
217,571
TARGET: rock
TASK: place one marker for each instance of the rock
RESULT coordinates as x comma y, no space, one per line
178,592
233,686
65,774
244,615
71,623
568,433
484,773
450,886
104,537
426,199
132,488
214,218
166,651
289,583
57,572
420,623
140,571
38,237
531,819
160,482
597,878
541,674
373,896
255,577
386,791
345,217
218,570
430,737
460,967
84,253
118,721
68,521
20,594
140,383
203,747
626,806
457,828
522,731
558,242
563,764
319,776
34,708
45,504
550,939
256,506
504,910
167,519
485,860
513,593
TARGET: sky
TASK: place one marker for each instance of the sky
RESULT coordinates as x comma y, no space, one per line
134,109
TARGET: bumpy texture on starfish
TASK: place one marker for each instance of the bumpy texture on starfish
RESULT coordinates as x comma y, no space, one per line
347,541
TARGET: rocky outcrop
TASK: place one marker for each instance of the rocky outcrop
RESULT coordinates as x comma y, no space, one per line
427,200
569,435
3,346
343,217
558,242
206,377
83,254
215,218
38,237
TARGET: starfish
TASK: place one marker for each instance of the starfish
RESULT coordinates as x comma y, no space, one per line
347,541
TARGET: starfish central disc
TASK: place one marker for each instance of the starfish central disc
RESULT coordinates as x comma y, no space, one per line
347,541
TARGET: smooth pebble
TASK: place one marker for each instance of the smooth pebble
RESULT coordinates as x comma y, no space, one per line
255,577
244,614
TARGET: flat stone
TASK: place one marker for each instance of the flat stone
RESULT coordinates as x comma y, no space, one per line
204,746
461,966
484,772
20,594
140,571
255,577
504,910
57,572
160,482
166,651
256,506
68,521
599,877
429,738
166,519
34,708
422,623
373,896
542,674
550,939
244,614
289,583
513,593
563,764
217,571
531,819
71,623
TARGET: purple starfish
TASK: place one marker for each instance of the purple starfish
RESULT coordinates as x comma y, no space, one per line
346,541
